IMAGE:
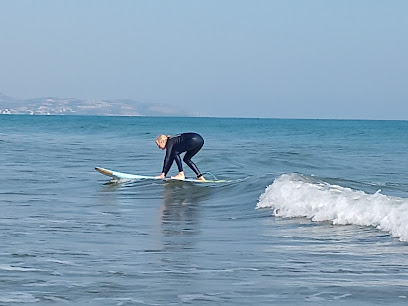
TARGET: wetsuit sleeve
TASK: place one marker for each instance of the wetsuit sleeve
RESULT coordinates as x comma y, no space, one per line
168,160
172,153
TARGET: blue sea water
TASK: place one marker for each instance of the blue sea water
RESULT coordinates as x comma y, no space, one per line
315,213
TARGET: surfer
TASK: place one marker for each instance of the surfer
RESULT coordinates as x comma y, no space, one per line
190,143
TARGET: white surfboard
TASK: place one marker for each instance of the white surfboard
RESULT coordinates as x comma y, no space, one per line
120,176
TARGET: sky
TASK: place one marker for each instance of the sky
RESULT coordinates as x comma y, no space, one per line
339,59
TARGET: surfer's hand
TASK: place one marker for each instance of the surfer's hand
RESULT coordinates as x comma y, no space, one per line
161,176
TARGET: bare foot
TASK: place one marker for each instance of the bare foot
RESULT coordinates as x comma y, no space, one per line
179,176
201,178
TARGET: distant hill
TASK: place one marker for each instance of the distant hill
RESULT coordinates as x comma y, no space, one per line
94,107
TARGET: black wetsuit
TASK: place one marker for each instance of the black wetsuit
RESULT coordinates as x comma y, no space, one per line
190,143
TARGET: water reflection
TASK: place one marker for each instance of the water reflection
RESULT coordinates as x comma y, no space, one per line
180,217
180,213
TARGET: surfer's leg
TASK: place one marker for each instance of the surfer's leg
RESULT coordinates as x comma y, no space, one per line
198,144
178,162
192,166
180,175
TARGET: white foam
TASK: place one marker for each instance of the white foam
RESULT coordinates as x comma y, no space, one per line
293,195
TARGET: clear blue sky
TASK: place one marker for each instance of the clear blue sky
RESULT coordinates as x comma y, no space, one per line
233,58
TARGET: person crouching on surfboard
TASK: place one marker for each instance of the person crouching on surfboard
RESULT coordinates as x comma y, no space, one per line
190,143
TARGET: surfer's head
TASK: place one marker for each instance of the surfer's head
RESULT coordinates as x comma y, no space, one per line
161,141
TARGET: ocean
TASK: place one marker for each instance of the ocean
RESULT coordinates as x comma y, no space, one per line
315,212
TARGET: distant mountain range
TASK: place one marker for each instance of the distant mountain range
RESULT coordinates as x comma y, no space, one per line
94,107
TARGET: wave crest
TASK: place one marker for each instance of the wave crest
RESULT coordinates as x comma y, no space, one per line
294,195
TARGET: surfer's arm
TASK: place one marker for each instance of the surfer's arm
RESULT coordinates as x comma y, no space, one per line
168,161
172,154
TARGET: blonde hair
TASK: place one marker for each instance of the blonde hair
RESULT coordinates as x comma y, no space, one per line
161,137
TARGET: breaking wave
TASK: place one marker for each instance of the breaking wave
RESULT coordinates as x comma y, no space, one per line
294,195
